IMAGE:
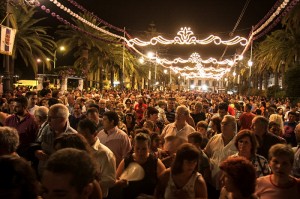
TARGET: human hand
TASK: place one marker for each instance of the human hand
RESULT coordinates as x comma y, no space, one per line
41,155
122,183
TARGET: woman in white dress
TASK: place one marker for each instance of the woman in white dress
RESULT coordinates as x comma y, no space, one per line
182,180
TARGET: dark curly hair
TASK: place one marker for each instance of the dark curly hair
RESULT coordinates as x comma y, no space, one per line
242,173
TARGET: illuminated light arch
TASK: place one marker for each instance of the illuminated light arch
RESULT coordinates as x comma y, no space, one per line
186,37
196,58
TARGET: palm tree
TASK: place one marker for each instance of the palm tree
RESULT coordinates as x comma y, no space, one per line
92,53
32,40
281,49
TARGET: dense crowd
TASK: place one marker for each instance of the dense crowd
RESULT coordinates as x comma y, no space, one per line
147,144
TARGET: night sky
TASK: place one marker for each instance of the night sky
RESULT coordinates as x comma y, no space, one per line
204,17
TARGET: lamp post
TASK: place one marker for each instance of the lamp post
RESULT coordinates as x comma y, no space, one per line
39,61
7,83
61,48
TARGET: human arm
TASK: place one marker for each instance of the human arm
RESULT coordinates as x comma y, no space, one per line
200,188
107,163
121,182
162,184
160,167
41,155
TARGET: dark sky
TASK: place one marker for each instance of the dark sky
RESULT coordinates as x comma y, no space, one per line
205,17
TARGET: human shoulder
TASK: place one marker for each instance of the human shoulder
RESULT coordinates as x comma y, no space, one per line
263,180
274,138
165,175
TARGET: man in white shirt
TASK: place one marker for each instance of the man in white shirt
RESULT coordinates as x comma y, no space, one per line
221,146
103,155
176,133
113,137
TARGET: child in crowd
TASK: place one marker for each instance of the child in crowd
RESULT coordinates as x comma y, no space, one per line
201,127
203,164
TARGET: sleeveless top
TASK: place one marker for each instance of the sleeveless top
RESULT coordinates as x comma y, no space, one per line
147,184
172,191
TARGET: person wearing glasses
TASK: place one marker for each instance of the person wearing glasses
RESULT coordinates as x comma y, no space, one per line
58,124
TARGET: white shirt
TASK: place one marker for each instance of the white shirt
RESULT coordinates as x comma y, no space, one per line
217,152
175,137
107,164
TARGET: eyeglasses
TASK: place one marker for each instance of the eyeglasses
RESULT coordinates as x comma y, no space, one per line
225,123
53,118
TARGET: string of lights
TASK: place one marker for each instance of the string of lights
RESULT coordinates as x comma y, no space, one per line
184,37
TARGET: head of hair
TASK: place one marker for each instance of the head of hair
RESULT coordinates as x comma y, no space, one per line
129,115
242,173
44,92
183,109
217,121
196,136
202,124
88,126
41,112
223,106
247,133
128,101
282,150
151,111
30,93
185,152
73,140
154,136
232,121
149,124
17,178
161,103
60,110
142,130
292,113
76,162
55,94
142,137
199,104
248,106
52,101
262,121
112,116
11,100
9,140
93,105
92,110
45,84
23,101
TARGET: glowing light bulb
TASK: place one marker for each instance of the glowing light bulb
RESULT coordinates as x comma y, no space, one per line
250,63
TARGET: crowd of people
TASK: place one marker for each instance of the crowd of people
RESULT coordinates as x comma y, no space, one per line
187,144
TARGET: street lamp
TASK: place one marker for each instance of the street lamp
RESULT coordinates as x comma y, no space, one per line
38,60
62,49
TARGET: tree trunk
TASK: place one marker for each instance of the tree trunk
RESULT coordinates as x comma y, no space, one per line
121,78
260,82
266,80
101,74
133,81
283,76
112,77
276,78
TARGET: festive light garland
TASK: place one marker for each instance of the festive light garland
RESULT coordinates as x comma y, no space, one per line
196,58
265,24
80,7
185,36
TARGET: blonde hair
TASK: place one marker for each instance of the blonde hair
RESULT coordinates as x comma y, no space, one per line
278,120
